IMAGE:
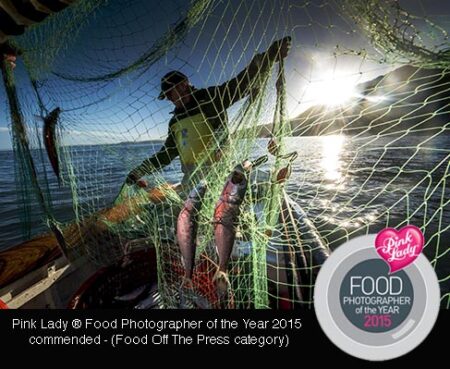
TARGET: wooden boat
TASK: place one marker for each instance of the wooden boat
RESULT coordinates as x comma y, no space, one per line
36,274
38,267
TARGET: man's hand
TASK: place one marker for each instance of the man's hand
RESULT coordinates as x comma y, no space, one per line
11,60
142,183
280,49
9,54
133,180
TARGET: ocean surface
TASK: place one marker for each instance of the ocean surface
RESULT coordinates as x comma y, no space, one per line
348,186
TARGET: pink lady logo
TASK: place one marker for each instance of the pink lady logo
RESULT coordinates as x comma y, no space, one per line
399,248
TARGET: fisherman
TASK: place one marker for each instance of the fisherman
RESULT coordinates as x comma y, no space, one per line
198,130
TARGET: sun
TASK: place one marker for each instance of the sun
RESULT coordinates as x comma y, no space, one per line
330,89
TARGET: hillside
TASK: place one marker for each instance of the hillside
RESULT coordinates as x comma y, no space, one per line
407,98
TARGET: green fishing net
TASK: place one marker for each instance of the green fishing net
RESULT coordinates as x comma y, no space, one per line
362,99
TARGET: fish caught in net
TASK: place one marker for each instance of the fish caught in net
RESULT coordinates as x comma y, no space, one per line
302,124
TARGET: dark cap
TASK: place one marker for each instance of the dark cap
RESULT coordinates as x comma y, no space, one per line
170,80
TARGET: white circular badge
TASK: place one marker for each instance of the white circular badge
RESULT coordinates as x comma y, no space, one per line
370,312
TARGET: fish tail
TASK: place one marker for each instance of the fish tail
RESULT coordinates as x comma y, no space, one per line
224,291
222,282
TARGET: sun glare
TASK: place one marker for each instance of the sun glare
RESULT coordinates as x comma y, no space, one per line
331,90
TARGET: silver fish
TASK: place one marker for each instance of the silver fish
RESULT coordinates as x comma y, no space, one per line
226,215
187,226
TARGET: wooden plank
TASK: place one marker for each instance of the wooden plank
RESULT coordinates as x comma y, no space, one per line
26,257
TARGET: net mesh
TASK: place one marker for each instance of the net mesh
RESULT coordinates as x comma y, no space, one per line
362,99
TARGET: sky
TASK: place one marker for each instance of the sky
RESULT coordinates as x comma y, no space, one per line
217,48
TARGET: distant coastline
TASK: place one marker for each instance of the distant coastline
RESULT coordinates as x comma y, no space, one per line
123,143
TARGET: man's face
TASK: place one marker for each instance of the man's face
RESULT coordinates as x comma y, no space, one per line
179,93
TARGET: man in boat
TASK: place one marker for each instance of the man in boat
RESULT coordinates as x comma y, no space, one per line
198,130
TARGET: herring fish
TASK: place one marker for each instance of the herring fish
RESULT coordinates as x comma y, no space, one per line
50,139
226,214
187,226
